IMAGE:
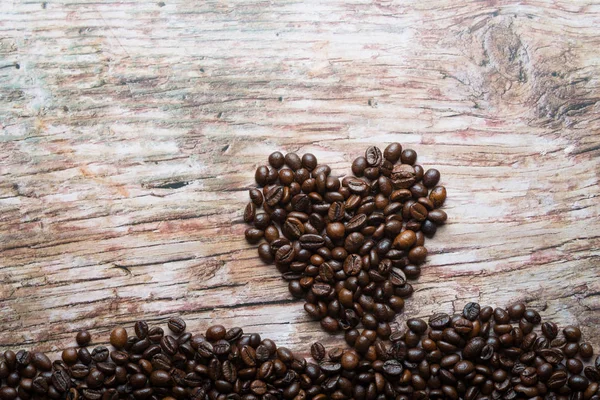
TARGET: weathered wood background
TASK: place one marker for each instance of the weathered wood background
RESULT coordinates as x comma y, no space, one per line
130,131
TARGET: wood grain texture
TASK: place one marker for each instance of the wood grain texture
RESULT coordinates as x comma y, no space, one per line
130,131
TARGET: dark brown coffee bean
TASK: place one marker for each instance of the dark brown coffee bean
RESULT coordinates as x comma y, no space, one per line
408,156
373,156
572,333
41,361
592,373
83,338
417,325
274,195
293,161
330,324
317,351
293,228
284,255
61,380
353,265
336,211
176,325
578,383
253,235
276,160
392,152
552,356
100,354
393,368
264,252
431,177
402,176
261,175
262,221
439,321
471,311
417,255
418,212
141,329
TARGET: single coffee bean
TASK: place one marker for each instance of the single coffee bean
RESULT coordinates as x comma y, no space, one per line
261,175
61,380
83,338
392,152
373,156
249,212
431,177
118,338
572,333
408,156
438,196
176,325
254,235
276,160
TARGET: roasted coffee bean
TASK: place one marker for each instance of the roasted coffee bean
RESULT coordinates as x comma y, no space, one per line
392,152
118,338
276,160
83,338
431,177
438,196
61,380
141,329
373,156
100,353
176,325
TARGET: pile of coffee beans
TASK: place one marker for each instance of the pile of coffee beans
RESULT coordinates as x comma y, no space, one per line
483,353
347,246
154,364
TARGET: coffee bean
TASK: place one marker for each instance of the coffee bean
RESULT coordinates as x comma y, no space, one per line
431,177
417,255
471,311
353,265
61,380
284,255
276,160
118,338
254,235
373,156
438,196
41,361
83,338
176,325
141,329
264,252
249,212
572,333
261,175
100,354
392,152
403,176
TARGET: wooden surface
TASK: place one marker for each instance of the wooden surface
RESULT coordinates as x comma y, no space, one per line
130,131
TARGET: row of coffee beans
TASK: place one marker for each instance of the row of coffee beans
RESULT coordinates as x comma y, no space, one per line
150,363
483,353
347,246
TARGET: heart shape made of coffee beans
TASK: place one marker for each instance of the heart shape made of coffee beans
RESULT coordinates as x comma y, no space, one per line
347,246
